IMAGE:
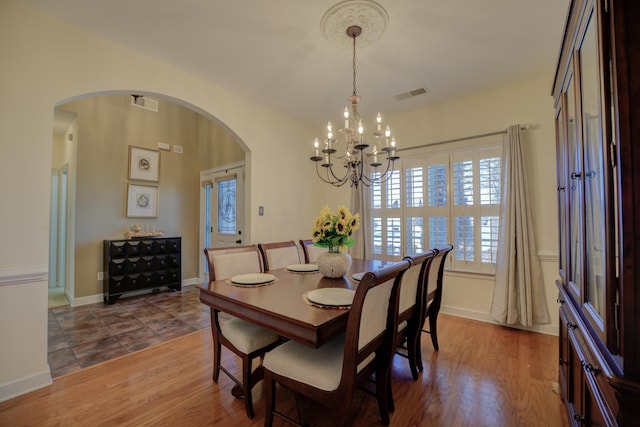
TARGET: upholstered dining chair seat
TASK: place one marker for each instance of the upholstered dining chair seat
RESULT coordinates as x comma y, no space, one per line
320,368
245,336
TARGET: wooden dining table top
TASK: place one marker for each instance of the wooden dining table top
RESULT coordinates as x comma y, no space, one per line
280,306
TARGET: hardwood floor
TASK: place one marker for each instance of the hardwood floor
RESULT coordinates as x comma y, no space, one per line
483,375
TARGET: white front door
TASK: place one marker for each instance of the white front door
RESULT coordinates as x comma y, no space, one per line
223,207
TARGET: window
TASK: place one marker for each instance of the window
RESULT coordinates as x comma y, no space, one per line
437,199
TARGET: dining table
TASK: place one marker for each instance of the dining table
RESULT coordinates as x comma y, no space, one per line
281,305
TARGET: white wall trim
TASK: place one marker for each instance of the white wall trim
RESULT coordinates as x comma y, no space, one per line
93,299
25,385
30,274
548,257
486,317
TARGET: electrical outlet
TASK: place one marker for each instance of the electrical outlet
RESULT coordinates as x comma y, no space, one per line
100,275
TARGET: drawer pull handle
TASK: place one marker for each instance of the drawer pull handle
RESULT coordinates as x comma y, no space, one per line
571,325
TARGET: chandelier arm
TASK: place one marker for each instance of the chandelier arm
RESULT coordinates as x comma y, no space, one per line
341,180
327,180
331,176
384,176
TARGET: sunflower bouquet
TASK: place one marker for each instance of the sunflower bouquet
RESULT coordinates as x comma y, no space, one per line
334,231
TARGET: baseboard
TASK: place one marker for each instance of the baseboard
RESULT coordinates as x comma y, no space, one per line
25,385
486,317
92,299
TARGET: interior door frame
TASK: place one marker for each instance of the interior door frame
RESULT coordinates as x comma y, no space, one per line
204,182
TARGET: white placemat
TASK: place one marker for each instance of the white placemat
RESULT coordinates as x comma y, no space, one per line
303,268
252,279
331,297
358,276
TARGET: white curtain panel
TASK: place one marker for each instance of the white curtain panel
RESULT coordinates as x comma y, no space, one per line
360,247
518,293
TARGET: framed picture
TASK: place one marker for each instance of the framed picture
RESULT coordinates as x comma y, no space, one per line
144,164
142,201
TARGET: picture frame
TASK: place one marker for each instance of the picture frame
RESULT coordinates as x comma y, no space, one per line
144,164
142,201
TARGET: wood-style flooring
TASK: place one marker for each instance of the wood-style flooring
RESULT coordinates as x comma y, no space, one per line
483,375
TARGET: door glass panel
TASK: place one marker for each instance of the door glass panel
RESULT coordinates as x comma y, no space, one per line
227,206
575,191
595,257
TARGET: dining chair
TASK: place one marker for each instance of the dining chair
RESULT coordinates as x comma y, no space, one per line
411,305
433,299
331,373
310,251
245,339
277,255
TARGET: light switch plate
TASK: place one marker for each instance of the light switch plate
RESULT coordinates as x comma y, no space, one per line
100,275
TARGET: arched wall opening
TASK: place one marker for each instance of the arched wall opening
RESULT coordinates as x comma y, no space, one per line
99,131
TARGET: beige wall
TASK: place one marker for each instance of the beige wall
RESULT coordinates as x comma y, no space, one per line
106,127
46,63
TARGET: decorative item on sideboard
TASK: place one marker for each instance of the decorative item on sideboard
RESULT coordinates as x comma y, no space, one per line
136,231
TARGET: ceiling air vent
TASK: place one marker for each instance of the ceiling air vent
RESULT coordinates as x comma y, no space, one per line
144,102
411,93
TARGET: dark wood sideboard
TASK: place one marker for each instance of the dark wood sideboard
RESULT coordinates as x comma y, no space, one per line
596,93
141,263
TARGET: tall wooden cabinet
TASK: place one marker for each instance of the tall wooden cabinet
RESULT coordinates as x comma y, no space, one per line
597,99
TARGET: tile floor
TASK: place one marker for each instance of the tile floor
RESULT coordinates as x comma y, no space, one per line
90,334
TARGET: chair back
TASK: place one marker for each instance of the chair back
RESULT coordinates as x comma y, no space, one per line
433,285
413,280
373,318
310,251
279,254
230,261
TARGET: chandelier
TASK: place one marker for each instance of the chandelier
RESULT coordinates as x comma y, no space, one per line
359,166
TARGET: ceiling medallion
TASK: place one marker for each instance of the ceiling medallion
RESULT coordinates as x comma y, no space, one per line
366,14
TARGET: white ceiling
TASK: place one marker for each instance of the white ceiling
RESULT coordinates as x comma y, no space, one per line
272,51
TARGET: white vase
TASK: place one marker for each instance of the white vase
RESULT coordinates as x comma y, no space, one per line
333,264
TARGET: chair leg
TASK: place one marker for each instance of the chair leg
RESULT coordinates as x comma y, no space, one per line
384,393
302,416
390,404
246,385
418,349
269,387
433,329
342,412
413,341
217,348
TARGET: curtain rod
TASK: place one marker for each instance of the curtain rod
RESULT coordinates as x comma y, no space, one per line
464,138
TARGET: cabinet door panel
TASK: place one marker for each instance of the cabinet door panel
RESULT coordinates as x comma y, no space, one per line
561,170
594,172
574,157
